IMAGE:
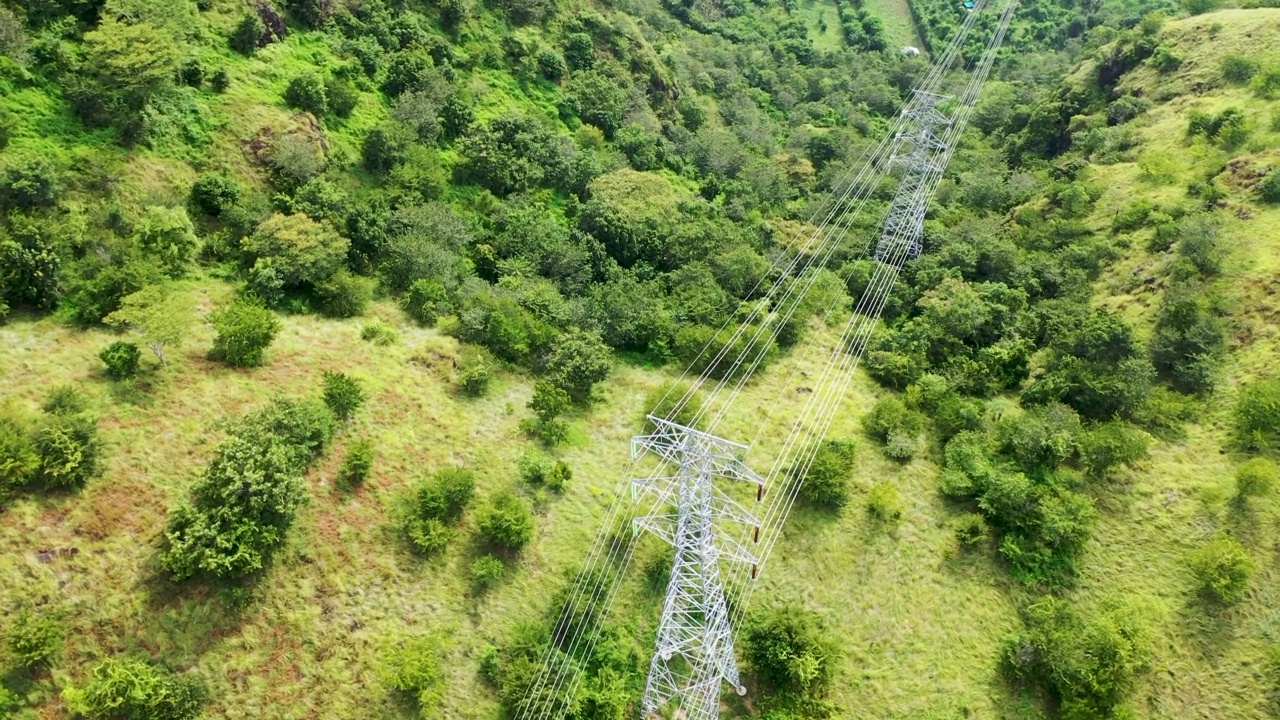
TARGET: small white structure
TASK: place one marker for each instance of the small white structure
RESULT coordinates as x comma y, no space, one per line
910,50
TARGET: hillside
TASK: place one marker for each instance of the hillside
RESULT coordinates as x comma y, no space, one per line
479,211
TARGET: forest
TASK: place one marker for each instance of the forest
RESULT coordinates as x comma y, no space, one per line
324,325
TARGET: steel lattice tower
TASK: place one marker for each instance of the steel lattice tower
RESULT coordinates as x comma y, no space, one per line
694,652
920,152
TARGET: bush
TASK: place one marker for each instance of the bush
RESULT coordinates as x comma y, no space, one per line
1088,664
1045,436
1223,568
379,333
1256,478
65,400
577,361
220,81
972,530
789,651
307,92
425,300
249,34
475,369
1238,69
884,502
32,639
214,193
19,460
891,420
297,250
248,496
69,451
1257,414
28,182
342,394
534,467
244,330
1269,186
559,476
412,670
485,572
826,483
1267,82
505,523
431,506
344,294
167,235
356,465
127,689
1108,445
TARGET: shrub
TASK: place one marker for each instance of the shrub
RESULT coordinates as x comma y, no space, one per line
577,361
1267,82
891,420
505,523
1108,445
220,81
790,652
534,467
356,465
1089,664
127,689
214,193
244,330
249,34
1257,414
298,250
431,506
379,333
1256,478
307,92
344,294
342,394
559,476
1045,436
1238,69
826,483
69,451
1223,568
475,369
1269,186
167,235
381,150
972,530
884,502
65,400
412,669
28,182
485,572
32,639
425,300
19,460
548,403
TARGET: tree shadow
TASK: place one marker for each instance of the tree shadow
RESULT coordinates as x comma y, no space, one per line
194,615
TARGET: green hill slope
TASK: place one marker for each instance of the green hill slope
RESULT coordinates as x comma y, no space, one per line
1084,193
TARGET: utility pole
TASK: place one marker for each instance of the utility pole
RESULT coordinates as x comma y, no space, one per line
694,652
920,152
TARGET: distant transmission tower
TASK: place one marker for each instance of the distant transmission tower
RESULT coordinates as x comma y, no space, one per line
694,651
921,153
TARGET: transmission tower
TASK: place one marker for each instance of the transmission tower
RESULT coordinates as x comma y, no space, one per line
920,152
694,651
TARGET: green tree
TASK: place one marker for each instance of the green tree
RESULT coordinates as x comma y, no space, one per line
295,249
244,330
548,403
307,92
125,67
356,465
599,99
577,361
19,460
426,511
160,316
249,34
167,235
215,193
505,522
343,395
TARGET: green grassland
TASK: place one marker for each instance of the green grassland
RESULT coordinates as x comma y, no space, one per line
919,623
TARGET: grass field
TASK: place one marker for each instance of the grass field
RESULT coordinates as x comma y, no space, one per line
919,623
